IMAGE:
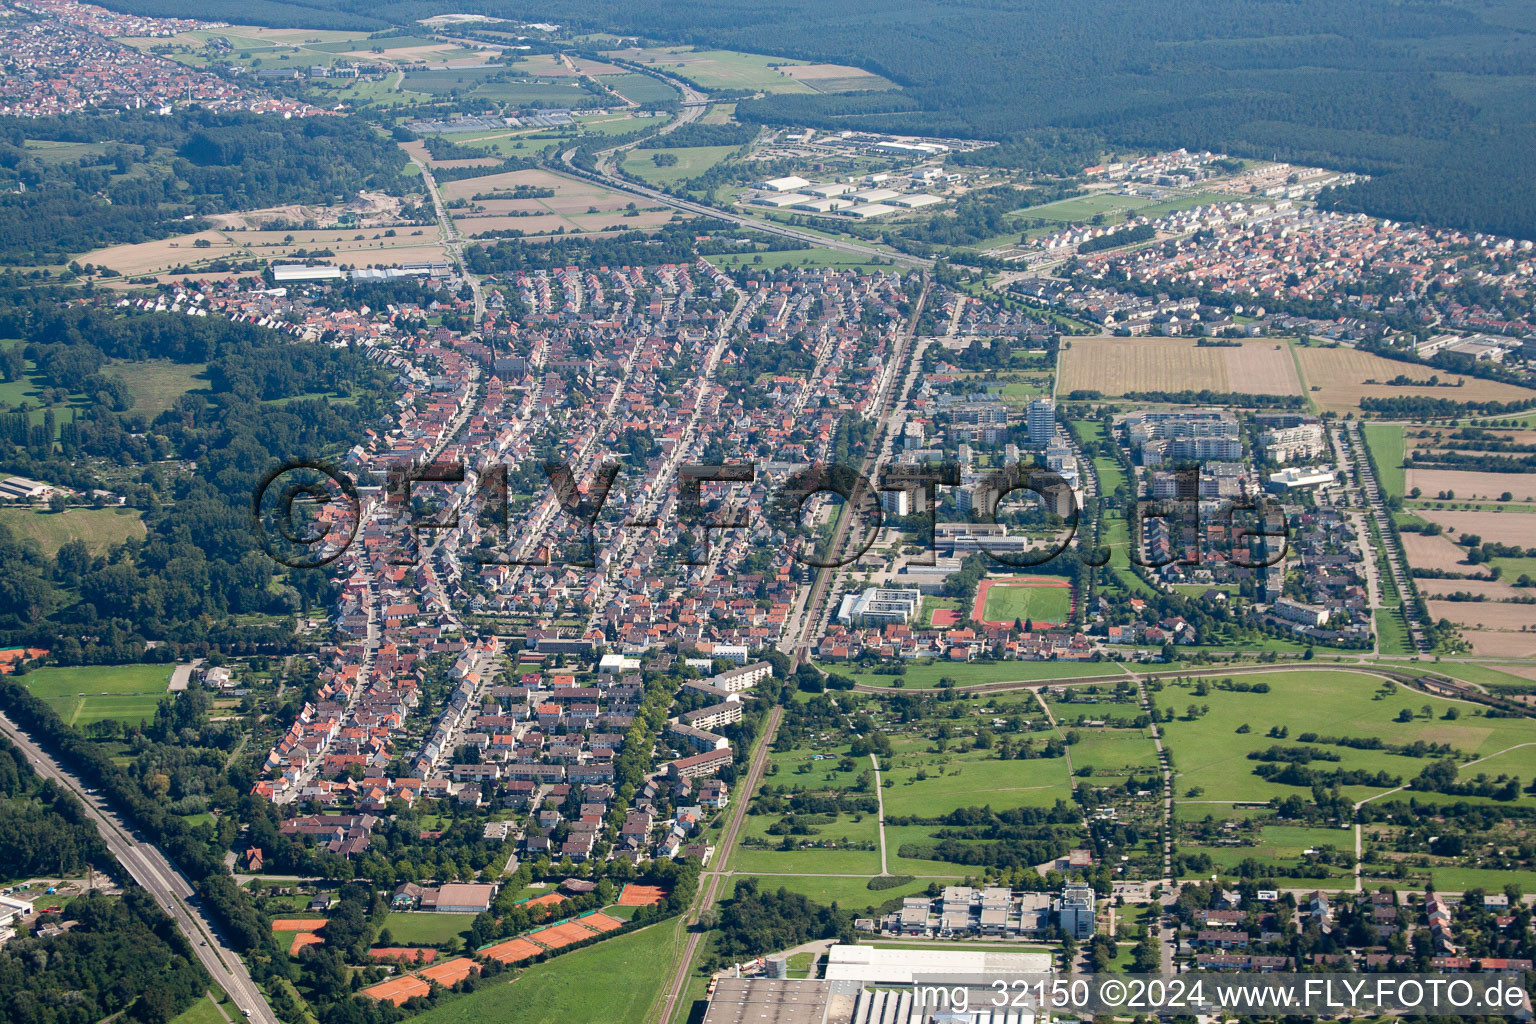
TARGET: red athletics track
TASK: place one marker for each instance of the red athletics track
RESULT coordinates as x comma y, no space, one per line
979,607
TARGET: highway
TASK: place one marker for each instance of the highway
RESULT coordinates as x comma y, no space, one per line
694,104
151,869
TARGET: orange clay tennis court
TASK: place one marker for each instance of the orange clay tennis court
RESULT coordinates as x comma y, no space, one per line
302,939
398,990
601,922
450,972
513,951
307,924
561,935
546,901
641,896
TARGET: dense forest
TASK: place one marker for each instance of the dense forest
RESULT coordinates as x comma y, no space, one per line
147,174
1431,97
200,562
42,828
122,956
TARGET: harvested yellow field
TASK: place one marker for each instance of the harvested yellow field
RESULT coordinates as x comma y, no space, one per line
418,149
1487,615
1117,366
1489,643
1494,590
152,257
351,246
572,190
1437,552
576,206
1465,484
835,77
1338,378
1517,528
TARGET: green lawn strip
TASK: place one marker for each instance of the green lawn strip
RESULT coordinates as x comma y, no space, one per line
1386,444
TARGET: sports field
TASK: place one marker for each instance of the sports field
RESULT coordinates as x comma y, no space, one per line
1041,600
86,694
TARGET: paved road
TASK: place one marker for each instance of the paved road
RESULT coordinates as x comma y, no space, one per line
452,243
152,870
880,804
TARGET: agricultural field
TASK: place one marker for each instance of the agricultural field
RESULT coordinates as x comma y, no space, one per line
100,528
643,90
724,69
1463,484
1338,378
1116,366
550,65
836,78
929,674
813,257
1386,443
1499,643
852,893
1112,206
575,206
86,694
1512,528
691,162
930,783
357,247
493,84
157,383
1288,847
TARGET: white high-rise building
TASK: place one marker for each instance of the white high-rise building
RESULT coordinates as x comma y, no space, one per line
1042,422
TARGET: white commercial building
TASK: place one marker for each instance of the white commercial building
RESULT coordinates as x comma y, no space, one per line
869,211
1297,478
826,205
305,272
874,195
828,189
789,183
915,201
873,965
782,200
